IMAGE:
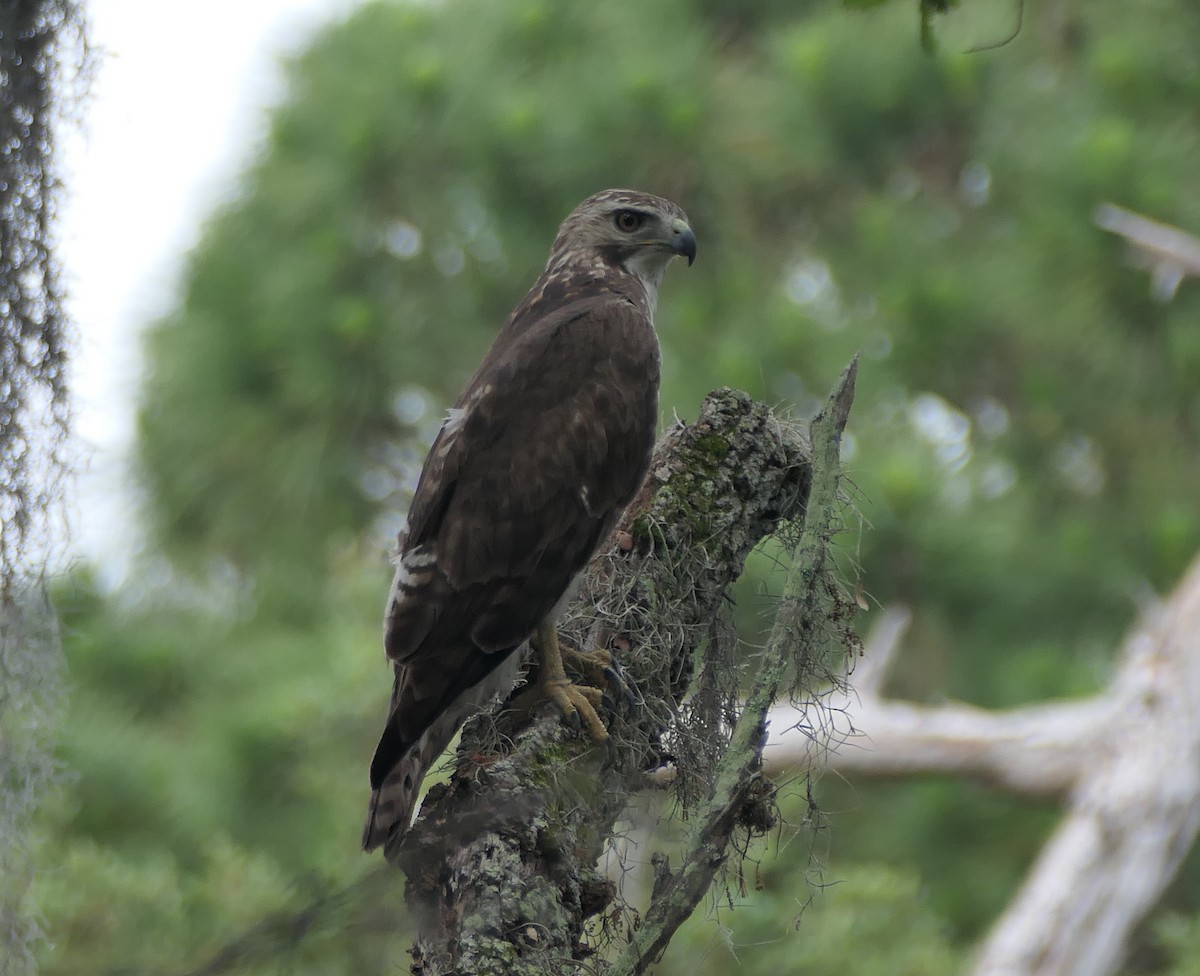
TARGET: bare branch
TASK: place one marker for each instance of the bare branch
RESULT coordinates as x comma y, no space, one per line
1037,750
1128,761
1131,820
1169,253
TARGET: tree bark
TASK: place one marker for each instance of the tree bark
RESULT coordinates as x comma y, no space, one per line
501,866
811,602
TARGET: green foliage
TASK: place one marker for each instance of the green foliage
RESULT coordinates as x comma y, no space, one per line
209,781
1178,937
985,843
1022,440
875,920
155,913
180,720
395,215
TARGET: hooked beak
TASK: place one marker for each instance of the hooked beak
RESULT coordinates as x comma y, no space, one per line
683,241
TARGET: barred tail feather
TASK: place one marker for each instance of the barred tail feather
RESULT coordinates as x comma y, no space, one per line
392,804
398,770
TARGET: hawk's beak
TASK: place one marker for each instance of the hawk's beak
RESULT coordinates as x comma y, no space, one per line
683,241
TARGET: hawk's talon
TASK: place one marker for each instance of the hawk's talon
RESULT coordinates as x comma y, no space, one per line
618,686
600,668
578,702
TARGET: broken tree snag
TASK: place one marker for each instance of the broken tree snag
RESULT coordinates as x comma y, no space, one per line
1123,761
809,613
1131,819
501,865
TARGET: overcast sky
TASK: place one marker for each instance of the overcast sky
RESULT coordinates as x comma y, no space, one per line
174,111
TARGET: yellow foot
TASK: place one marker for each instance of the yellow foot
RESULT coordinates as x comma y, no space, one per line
579,703
600,670
596,667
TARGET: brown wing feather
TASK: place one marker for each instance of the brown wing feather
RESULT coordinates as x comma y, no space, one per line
520,487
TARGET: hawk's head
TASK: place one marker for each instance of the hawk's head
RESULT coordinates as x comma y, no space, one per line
637,232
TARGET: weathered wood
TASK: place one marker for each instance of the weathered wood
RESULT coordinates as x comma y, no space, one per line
1127,763
1037,750
1131,819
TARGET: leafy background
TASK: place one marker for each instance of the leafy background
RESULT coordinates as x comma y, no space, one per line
1023,441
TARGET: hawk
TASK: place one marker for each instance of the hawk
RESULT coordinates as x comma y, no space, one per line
531,469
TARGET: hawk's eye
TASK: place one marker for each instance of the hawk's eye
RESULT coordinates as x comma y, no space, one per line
628,220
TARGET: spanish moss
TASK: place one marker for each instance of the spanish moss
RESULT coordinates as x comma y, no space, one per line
42,53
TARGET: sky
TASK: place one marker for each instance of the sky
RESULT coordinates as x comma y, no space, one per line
175,110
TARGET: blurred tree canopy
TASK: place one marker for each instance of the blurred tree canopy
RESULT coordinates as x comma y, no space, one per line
1023,440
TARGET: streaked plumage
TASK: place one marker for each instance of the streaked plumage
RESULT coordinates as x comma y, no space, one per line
529,473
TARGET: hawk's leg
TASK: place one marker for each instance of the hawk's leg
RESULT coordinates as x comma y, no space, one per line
578,702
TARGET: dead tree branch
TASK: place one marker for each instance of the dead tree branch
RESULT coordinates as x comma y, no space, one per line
1169,253
1127,763
1037,750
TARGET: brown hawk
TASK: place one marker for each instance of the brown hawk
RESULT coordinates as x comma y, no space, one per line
529,473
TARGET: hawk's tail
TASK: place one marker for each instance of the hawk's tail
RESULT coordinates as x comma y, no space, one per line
391,808
394,793
399,767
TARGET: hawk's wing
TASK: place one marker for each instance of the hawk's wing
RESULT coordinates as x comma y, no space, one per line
530,471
